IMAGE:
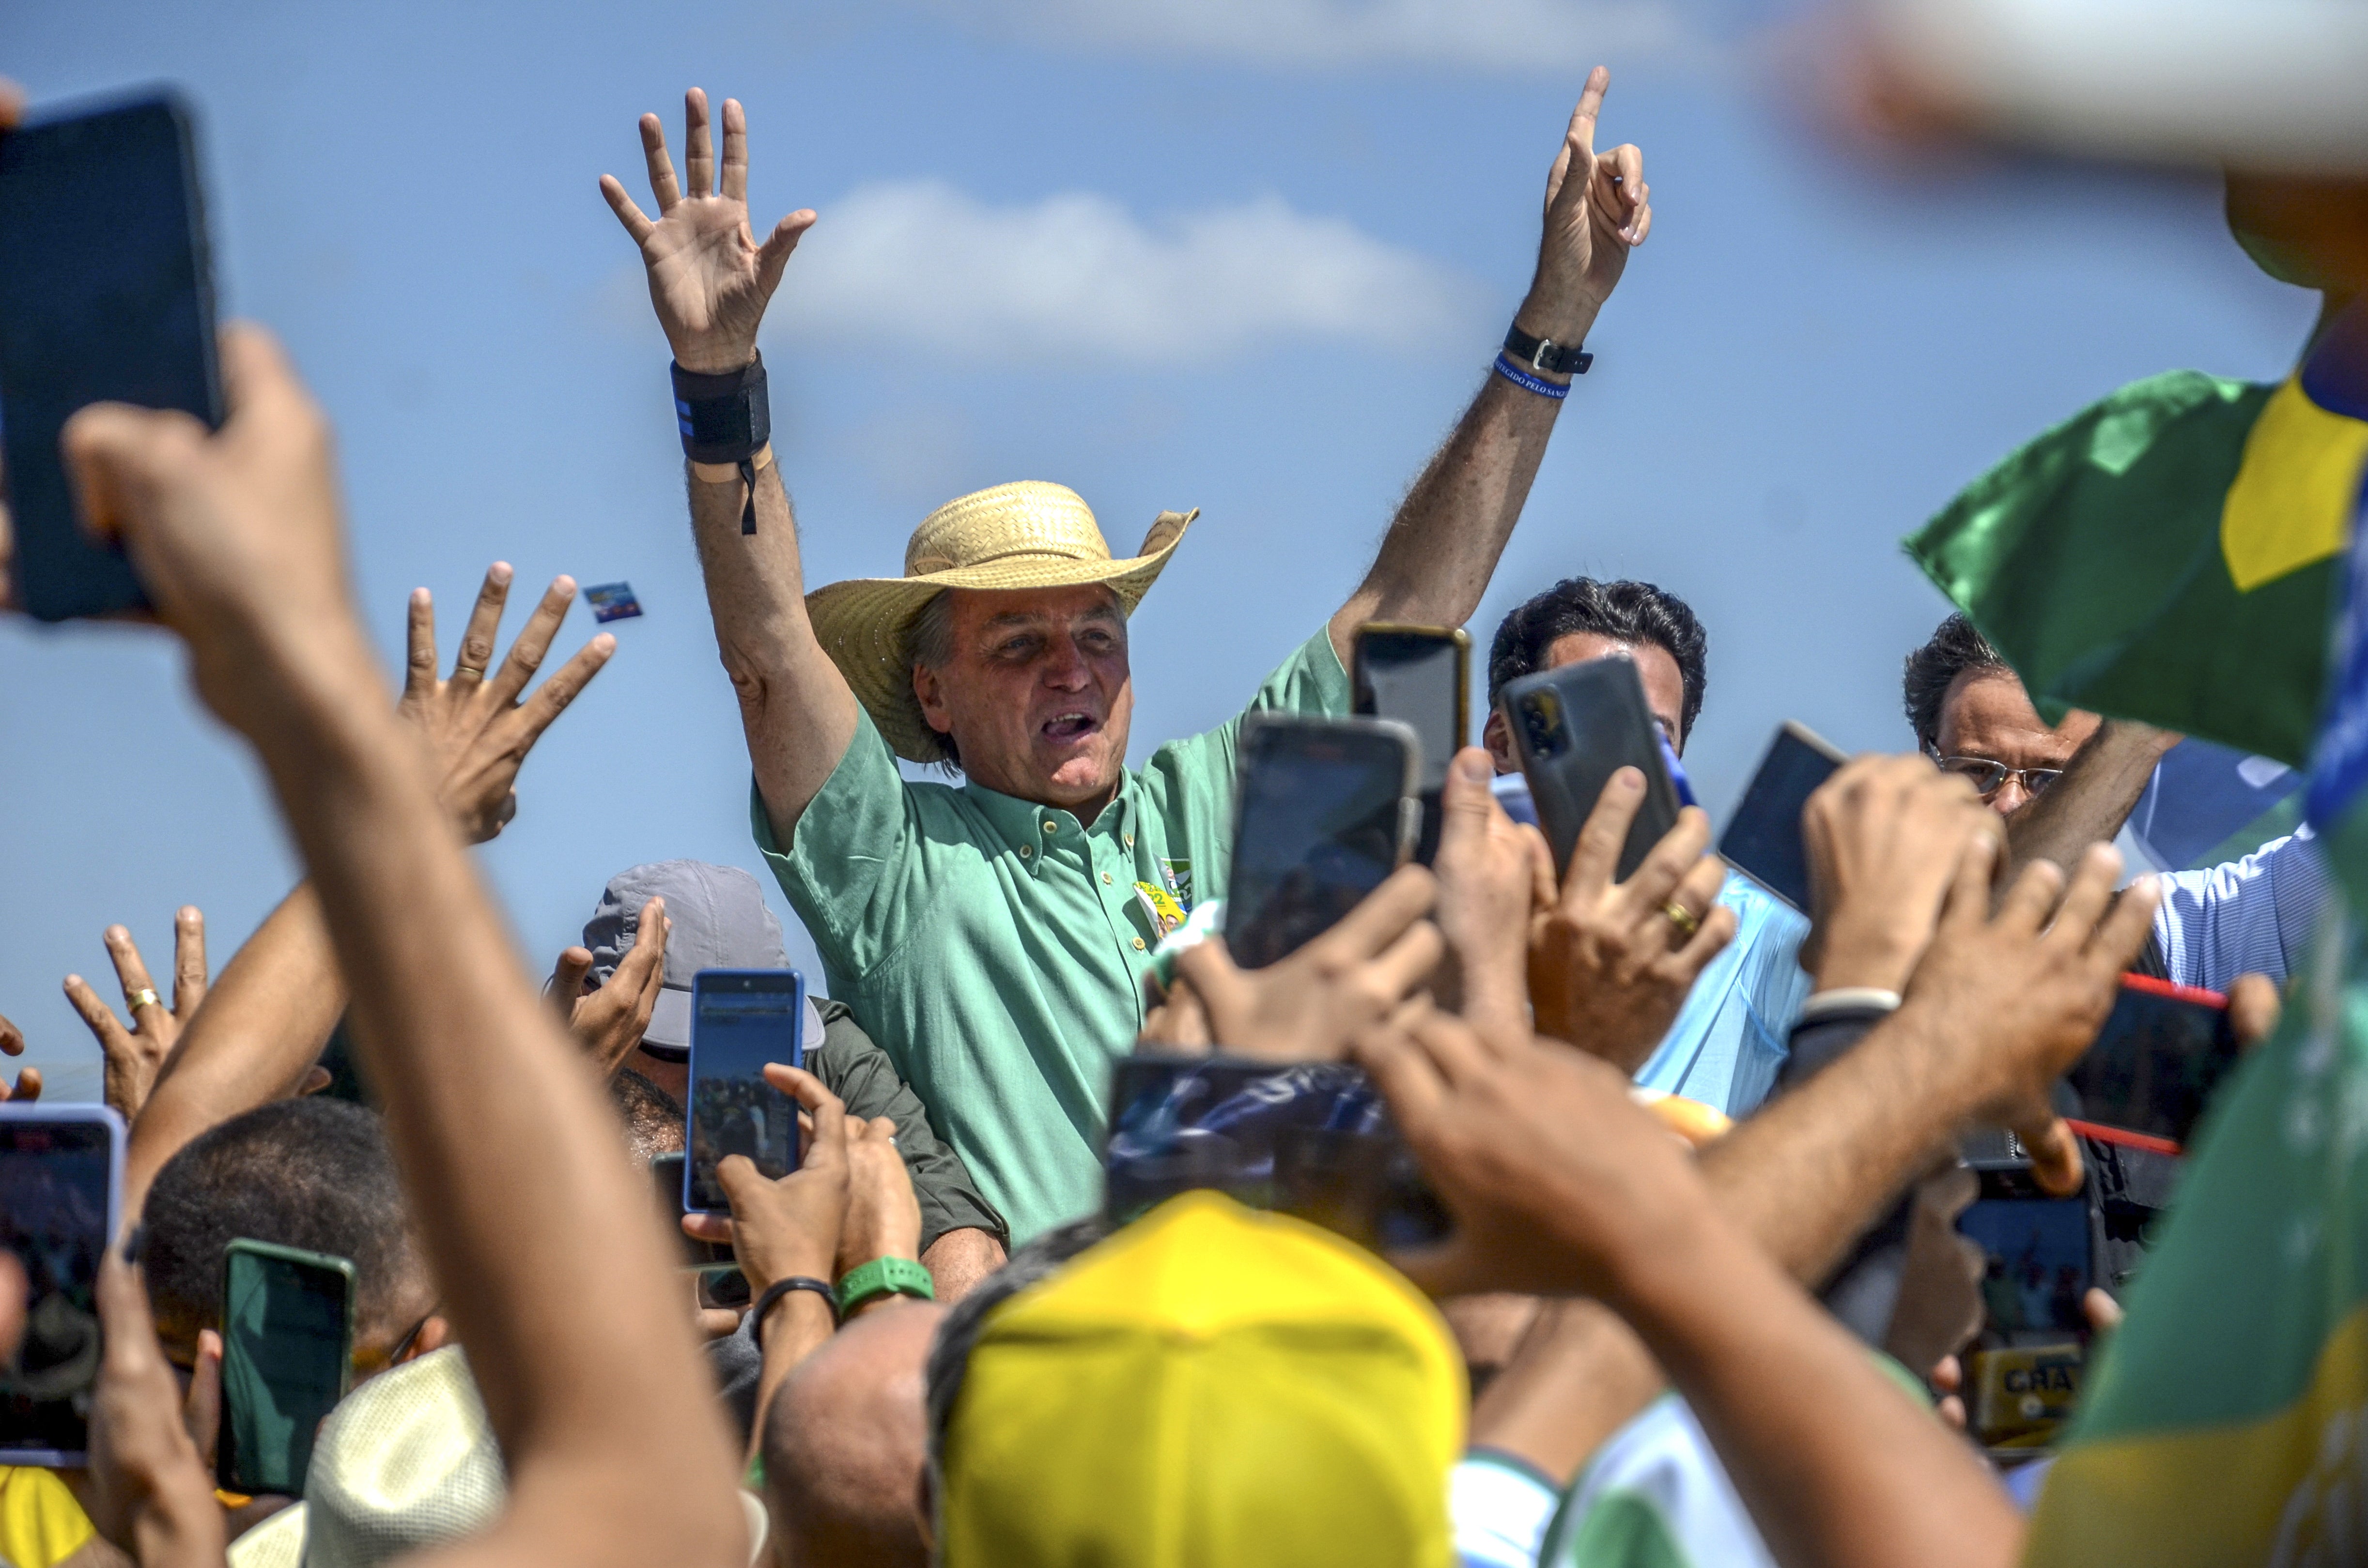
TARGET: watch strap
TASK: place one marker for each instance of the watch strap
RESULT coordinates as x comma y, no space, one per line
868,1282
1545,354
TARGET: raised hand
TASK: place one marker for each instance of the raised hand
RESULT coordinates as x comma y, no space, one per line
475,724
1610,963
610,1022
1598,210
884,1217
133,1057
1884,837
1307,1007
777,1229
149,1492
2015,998
709,277
1494,875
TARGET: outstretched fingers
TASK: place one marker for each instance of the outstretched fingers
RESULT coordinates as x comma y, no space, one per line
735,152
637,222
698,152
1590,106
419,646
190,974
533,640
653,153
96,1014
567,683
774,255
476,654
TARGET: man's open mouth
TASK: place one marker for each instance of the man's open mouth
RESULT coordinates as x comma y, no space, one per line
1066,727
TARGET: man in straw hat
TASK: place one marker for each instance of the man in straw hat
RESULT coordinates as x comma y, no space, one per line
993,937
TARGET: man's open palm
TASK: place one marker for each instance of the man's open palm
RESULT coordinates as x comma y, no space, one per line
709,277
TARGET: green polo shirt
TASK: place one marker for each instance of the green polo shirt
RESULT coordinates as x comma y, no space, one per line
995,947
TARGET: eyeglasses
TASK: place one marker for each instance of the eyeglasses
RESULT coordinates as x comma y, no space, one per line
1988,777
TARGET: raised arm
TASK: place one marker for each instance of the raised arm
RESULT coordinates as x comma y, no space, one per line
711,281
2098,790
550,1259
1442,549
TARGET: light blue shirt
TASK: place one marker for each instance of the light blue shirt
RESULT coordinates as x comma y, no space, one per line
1731,1034
2251,916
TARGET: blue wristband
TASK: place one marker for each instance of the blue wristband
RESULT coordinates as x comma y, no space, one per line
1527,383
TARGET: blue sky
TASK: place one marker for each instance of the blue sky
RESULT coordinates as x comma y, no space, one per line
1251,257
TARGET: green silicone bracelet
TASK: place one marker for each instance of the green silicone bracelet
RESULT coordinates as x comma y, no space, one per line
884,1277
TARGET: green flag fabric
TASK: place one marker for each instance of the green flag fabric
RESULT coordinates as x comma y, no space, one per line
2168,555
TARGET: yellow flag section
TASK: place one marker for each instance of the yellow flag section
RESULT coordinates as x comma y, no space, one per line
2291,502
2228,1422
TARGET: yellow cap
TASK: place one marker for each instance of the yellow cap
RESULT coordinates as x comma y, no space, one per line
1209,1385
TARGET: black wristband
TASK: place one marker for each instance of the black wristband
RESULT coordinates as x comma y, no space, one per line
1545,354
781,1287
723,419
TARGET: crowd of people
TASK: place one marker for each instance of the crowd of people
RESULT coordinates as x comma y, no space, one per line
1631,1347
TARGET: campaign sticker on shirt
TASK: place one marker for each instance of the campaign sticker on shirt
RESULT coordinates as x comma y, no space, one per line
1164,913
1179,875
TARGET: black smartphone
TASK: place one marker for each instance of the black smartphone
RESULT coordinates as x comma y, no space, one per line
740,1020
106,294
287,1358
2038,1261
1573,728
665,1182
1763,839
2145,1078
1420,675
1314,1140
61,1197
1325,811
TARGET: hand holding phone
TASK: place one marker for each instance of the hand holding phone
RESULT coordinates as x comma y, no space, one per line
287,1350
2146,1079
61,1197
1573,728
741,1020
1763,839
2038,1257
1421,676
1327,810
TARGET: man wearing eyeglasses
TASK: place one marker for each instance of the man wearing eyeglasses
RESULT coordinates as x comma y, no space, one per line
2066,787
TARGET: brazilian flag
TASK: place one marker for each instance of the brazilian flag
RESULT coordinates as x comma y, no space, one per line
2171,554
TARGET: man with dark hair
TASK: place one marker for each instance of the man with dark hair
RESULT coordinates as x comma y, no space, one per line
2066,786
310,1173
1728,1039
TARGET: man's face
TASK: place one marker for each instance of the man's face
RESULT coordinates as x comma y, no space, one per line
1036,692
1665,688
1987,715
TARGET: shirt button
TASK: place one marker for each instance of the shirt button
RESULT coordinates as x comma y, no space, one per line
1130,841
1138,944
1026,851
1106,879
1052,827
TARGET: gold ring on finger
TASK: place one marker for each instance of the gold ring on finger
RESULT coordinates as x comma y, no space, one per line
1681,918
471,671
144,997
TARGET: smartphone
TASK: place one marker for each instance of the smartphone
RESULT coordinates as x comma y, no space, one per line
1314,1140
1763,839
287,1358
741,1019
1420,675
106,294
61,1199
1327,808
2145,1080
1573,728
666,1181
2038,1256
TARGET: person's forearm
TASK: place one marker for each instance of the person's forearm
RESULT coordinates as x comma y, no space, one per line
1442,549
794,706
541,1240
260,1031
1578,1376
1809,1172
2091,801
958,1260
1839,1468
798,1325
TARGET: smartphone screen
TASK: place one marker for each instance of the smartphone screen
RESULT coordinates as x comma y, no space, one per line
1313,1139
2147,1078
61,1180
1575,727
105,293
741,1020
288,1348
1324,815
1763,839
1420,675
2023,1373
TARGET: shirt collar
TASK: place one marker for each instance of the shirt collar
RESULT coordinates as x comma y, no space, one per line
1023,824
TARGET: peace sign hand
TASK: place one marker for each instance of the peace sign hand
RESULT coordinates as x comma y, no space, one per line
709,277
1598,210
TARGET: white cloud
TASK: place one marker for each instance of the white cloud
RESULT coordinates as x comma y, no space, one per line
1077,277
1510,36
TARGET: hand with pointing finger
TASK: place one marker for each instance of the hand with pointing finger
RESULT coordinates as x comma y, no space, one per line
1598,210
479,723
133,1056
709,277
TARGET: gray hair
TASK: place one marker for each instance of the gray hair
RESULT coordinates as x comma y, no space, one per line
930,644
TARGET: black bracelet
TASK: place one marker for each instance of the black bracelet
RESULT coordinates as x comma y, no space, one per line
726,419
781,1287
1545,354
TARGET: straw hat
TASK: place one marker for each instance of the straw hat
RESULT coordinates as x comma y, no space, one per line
1029,534
406,1461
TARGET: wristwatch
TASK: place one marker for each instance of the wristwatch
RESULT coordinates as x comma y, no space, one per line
868,1282
1545,354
